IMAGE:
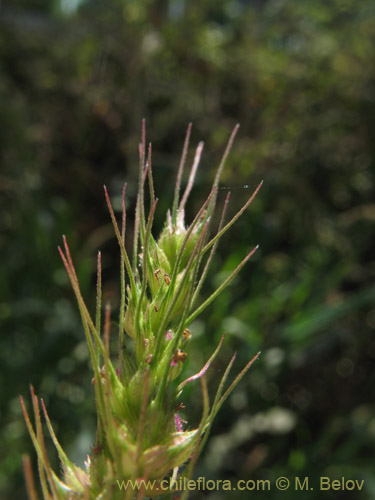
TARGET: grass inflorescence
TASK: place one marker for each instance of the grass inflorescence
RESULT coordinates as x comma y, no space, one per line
140,436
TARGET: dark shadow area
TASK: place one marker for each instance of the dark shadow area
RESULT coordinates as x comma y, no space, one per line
76,78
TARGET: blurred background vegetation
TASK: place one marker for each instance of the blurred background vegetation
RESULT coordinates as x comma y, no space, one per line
76,78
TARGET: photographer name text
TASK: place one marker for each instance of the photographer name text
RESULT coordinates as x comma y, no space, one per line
282,483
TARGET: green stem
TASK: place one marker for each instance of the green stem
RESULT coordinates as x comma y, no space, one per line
212,297
233,220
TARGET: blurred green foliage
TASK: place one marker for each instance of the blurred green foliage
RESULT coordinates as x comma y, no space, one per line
75,80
